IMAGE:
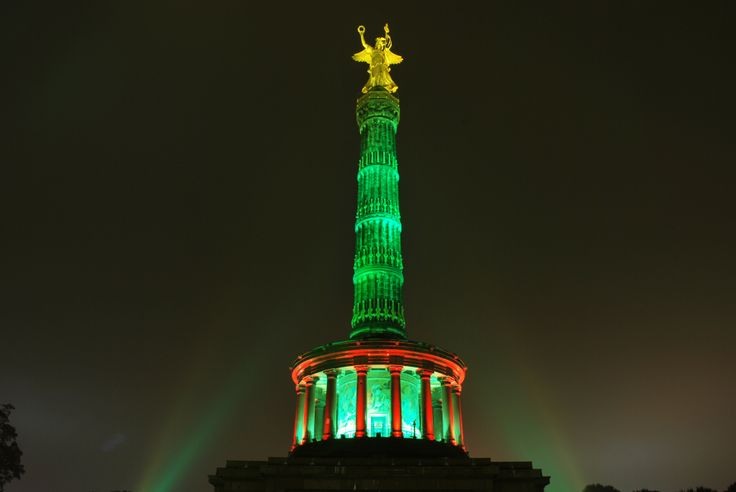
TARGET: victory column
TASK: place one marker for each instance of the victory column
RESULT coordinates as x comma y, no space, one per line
378,411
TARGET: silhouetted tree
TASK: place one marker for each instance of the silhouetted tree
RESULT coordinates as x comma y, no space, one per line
731,488
596,487
646,490
700,489
10,453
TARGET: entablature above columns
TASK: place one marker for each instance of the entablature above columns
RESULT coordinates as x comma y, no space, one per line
384,353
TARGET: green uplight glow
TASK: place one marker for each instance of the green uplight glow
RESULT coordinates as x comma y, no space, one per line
530,424
528,434
172,470
190,429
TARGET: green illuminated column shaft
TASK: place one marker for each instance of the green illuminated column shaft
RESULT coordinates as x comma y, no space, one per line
378,307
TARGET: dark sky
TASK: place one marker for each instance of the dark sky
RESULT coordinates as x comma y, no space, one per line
178,197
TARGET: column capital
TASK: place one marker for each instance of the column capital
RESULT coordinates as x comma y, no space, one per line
308,380
457,389
361,369
331,373
425,373
395,369
448,381
299,388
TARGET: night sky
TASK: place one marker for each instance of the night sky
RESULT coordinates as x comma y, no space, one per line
178,198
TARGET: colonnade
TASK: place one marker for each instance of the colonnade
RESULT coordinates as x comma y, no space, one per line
447,405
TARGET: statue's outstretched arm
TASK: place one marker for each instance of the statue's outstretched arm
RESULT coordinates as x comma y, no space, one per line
361,31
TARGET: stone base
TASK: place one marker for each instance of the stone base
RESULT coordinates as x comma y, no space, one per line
379,474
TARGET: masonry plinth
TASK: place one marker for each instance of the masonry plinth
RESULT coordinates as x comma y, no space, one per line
380,472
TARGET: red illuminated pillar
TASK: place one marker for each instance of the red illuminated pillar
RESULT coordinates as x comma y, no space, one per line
298,418
360,403
448,403
427,411
308,409
457,389
328,428
313,433
396,401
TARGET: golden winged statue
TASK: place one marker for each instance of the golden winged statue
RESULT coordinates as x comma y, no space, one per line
379,58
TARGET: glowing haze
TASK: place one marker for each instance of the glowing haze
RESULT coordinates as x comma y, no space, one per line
179,210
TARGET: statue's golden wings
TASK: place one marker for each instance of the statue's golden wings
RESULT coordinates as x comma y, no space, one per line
363,56
392,58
